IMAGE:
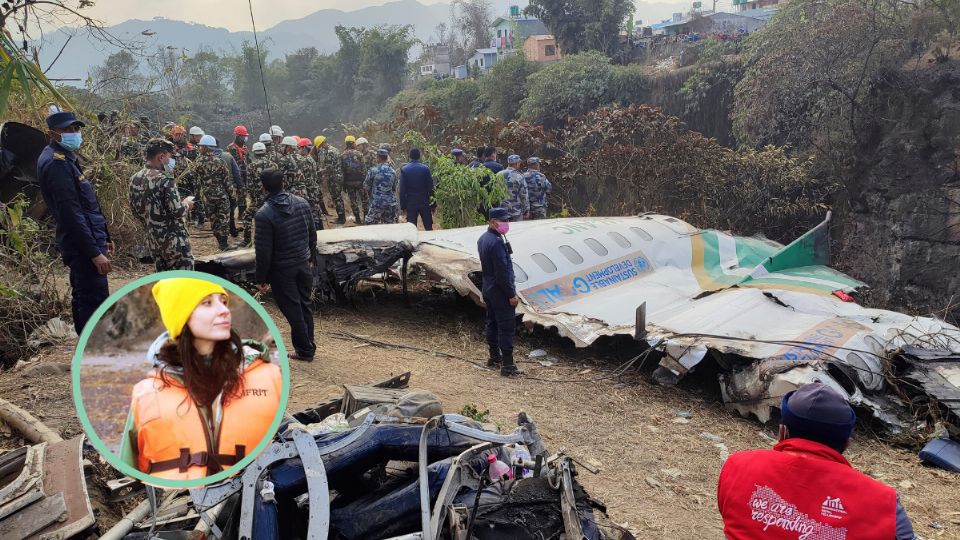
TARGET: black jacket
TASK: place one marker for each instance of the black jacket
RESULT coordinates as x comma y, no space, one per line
285,234
416,185
497,266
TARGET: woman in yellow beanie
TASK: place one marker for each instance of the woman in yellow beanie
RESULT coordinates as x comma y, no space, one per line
211,396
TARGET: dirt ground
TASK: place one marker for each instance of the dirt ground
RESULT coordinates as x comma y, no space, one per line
660,448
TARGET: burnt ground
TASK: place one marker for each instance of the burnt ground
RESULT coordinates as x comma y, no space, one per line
659,469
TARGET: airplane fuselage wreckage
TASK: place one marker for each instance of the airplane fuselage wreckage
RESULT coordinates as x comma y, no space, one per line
772,317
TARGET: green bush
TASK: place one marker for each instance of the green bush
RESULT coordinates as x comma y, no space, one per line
505,86
570,87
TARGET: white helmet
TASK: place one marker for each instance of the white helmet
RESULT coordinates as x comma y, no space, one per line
266,138
259,147
362,140
208,140
275,131
289,141
196,131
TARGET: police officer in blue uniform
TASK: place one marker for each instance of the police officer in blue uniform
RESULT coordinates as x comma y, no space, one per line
416,191
81,228
499,292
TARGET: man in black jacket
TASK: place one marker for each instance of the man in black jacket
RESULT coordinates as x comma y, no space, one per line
286,246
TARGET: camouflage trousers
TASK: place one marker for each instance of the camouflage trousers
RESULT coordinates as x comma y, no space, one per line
315,198
187,188
382,214
357,199
256,198
538,213
183,262
218,212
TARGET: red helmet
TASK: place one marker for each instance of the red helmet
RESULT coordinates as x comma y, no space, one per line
240,130
304,142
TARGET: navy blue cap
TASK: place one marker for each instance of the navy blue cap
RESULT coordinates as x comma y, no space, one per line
61,120
499,214
818,413
456,152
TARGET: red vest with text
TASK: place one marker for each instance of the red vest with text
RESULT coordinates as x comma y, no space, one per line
802,490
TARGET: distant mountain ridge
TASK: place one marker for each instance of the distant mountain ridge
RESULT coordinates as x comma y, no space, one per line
84,51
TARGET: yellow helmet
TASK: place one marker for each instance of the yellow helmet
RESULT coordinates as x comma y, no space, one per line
350,139
318,140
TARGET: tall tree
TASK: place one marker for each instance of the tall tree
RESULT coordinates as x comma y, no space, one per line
207,79
383,66
584,25
472,20
119,76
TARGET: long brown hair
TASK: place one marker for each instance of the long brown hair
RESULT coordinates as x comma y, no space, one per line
204,382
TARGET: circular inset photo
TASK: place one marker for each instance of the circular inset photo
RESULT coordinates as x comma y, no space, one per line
180,379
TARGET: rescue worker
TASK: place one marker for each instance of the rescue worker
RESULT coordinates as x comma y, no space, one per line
195,135
517,202
241,155
459,156
538,187
490,160
215,179
416,191
329,159
478,158
276,137
286,244
289,164
804,487
260,162
381,186
353,175
184,175
211,396
370,156
82,236
311,173
157,205
499,292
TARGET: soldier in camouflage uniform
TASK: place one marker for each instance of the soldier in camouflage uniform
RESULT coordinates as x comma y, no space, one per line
216,181
381,186
294,181
517,202
183,173
158,207
328,157
260,162
353,176
538,187
311,171
241,154
369,154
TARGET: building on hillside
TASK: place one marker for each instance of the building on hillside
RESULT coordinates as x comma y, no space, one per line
745,5
483,59
712,23
436,61
541,49
511,31
461,71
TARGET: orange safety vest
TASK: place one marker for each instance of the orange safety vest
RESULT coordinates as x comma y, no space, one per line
171,434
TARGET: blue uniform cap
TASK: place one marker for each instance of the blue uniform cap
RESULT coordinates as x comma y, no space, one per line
533,161
499,214
513,159
456,152
818,413
60,120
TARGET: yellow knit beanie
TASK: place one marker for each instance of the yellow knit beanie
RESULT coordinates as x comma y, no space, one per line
178,297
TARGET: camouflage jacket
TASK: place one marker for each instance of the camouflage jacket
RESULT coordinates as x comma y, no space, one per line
254,187
381,183
293,178
241,154
517,202
329,160
370,159
353,170
157,206
214,177
537,188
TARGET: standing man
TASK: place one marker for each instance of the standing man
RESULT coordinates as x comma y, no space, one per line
478,158
236,184
353,175
538,187
329,159
157,205
459,156
241,155
193,148
286,246
289,164
311,171
499,292
81,228
369,155
381,186
259,163
804,485
215,180
517,202
490,160
416,191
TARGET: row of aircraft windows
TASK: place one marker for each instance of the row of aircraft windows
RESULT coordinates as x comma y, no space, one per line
574,256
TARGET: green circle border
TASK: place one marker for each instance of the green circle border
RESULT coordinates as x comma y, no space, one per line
101,446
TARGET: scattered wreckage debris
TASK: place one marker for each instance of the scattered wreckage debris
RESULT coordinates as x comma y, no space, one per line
20,147
771,317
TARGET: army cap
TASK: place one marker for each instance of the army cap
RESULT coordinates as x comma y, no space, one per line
513,159
64,119
533,161
157,146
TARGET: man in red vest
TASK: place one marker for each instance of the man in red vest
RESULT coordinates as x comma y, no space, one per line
804,489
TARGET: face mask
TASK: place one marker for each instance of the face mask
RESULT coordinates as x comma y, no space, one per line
168,166
71,141
503,227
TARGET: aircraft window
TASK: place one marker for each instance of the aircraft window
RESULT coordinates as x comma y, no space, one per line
642,233
571,254
544,262
597,247
519,274
619,239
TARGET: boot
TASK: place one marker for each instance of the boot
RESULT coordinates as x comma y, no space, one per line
222,243
495,359
341,219
246,238
233,228
509,368
356,217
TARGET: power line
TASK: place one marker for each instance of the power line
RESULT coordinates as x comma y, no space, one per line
263,79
